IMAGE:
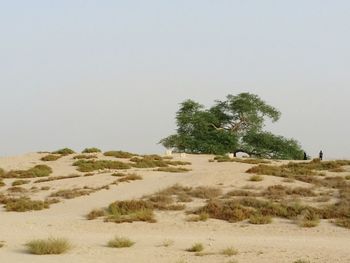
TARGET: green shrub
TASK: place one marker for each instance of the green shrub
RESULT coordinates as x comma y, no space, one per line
119,154
20,182
256,178
51,157
24,204
36,171
130,211
172,169
258,219
64,151
92,165
91,150
48,246
84,156
120,242
198,247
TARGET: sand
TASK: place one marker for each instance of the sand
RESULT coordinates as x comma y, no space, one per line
282,241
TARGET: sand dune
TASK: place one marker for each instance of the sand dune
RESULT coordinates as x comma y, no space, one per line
281,241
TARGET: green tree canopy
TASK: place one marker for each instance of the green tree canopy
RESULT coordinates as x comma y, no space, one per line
233,125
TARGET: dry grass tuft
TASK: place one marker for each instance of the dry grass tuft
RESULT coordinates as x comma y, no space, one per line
206,192
258,219
225,158
48,246
95,214
230,251
120,242
54,178
172,169
130,177
198,247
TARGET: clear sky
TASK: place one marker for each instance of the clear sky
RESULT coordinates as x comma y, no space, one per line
111,74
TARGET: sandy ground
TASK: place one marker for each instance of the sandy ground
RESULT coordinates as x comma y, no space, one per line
282,241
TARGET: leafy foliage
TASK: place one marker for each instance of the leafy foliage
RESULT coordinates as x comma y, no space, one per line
233,125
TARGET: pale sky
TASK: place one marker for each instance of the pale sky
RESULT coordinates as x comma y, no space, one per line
111,74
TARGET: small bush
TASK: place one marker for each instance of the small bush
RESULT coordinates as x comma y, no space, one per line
36,171
51,157
308,218
198,247
347,177
230,251
172,169
2,183
48,246
24,204
92,165
167,243
201,217
71,193
256,178
20,182
55,178
120,242
258,219
91,150
64,151
120,154
84,156
17,189
95,214
206,192
301,261
343,222
130,177
130,211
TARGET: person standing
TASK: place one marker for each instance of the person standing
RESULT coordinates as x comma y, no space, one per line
305,156
321,155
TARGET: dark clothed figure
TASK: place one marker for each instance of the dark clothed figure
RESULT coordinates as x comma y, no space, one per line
321,155
305,156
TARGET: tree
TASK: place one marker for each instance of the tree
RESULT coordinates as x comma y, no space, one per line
233,125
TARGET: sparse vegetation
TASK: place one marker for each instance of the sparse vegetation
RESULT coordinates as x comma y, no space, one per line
167,243
225,158
51,157
120,154
230,251
120,242
20,182
84,156
54,178
71,193
24,204
130,177
258,219
130,211
256,178
64,151
92,165
36,171
91,150
95,214
206,192
198,247
172,169
48,246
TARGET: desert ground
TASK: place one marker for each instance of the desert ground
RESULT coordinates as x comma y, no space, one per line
173,230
